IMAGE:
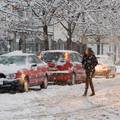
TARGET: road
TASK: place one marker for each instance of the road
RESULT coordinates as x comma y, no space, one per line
64,103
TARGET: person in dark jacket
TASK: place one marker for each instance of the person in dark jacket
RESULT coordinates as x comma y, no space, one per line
89,62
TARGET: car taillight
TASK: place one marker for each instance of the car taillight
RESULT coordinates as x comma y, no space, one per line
66,56
68,64
50,64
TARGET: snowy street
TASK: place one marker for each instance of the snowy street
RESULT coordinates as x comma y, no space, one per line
69,41
64,103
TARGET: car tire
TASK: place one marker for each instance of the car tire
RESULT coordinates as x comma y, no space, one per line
73,79
113,76
107,76
44,83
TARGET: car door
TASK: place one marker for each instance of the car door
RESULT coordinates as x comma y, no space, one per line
79,66
76,65
41,70
82,74
35,70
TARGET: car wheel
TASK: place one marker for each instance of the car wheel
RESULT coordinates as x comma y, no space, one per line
107,75
44,83
113,76
73,79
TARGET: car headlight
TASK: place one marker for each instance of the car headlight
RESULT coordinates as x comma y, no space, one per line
11,76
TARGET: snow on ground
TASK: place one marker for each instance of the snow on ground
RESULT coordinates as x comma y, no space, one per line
64,103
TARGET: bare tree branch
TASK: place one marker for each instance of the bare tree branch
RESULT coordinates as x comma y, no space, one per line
64,26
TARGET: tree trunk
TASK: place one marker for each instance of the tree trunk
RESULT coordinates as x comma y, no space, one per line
45,33
36,46
69,39
22,42
14,42
98,45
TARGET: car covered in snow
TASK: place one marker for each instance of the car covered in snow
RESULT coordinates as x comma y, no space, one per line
64,66
20,70
105,66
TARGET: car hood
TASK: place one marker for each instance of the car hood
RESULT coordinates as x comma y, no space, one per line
10,69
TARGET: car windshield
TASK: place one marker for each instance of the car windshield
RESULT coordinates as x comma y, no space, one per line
53,57
18,60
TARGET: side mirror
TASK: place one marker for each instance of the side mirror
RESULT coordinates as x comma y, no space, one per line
33,65
62,61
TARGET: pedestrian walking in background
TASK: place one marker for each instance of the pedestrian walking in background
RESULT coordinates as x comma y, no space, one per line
89,62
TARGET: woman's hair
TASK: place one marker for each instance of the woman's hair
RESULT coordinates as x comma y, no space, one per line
90,51
83,52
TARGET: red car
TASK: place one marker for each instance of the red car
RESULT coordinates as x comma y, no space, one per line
20,70
64,65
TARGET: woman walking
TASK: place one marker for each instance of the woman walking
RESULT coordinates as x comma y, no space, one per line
89,62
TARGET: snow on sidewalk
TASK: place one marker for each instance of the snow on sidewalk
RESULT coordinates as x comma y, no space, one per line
64,103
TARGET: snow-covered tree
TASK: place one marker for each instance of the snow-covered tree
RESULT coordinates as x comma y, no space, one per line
70,16
96,18
82,18
46,11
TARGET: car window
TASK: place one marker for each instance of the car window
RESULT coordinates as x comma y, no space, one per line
53,56
18,60
74,57
34,59
79,58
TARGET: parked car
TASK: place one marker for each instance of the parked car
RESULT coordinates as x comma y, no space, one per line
105,67
64,66
20,70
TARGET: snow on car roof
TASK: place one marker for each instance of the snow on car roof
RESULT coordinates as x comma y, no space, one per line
70,51
16,53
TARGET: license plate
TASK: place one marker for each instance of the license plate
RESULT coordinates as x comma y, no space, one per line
52,69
